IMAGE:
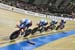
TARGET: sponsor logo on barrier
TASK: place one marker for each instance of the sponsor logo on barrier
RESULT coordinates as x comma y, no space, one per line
36,14
41,15
30,13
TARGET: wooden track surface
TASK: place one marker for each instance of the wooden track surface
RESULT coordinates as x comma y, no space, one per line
8,21
66,43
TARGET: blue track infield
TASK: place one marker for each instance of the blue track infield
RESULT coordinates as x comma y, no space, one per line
38,41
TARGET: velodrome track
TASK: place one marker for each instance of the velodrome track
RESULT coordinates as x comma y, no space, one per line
8,21
44,40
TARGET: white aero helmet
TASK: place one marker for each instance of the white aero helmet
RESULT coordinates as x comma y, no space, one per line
28,21
45,21
54,20
42,20
63,20
23,20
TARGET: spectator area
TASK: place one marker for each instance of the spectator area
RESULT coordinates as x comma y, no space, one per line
47,8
